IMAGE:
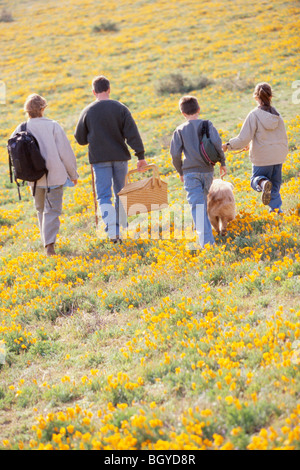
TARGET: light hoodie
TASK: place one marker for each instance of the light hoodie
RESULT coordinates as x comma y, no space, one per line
56,150
265,132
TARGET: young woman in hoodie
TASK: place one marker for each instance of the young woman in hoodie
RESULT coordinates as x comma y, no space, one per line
264,130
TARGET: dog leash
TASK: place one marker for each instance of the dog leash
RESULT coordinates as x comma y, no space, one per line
238,151
243,150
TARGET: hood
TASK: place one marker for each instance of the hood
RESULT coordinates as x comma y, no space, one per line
268,120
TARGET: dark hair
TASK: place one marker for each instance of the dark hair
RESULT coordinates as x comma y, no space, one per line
263,92
100,84
189,105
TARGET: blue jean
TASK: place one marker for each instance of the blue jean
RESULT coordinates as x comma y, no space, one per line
197,186
272,173
108,176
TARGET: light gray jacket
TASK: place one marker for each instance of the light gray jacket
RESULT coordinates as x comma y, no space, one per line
266,134
56,150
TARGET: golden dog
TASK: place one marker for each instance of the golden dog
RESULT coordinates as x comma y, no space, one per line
221,205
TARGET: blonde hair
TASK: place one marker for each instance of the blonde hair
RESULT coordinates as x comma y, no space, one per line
34,105
263,92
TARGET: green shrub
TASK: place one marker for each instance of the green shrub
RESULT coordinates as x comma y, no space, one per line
177,83
107,26
6,16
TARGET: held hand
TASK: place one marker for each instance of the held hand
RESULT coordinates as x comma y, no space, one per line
74,182
141,164
223,171
181,178
224,147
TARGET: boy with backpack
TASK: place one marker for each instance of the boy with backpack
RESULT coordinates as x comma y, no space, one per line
195,170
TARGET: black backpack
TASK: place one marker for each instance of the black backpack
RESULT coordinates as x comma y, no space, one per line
207,149
25,159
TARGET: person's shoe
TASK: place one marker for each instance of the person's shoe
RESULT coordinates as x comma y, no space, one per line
266,187
50,250
278,211
116,240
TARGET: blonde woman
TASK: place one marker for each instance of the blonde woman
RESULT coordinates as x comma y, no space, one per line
264,130
61,164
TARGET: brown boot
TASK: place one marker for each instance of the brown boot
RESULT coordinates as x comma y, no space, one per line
116,240
266,187
50,250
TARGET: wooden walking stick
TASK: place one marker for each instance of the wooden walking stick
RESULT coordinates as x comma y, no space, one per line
95,199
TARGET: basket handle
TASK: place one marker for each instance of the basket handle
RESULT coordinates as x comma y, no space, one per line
145,168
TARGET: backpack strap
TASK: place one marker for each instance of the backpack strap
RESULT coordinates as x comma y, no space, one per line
11,176
18,186
10,168
23,128
203,129
34,188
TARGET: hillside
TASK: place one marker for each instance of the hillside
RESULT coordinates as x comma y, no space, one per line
151,344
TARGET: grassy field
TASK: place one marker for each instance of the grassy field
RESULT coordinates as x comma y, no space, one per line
149,344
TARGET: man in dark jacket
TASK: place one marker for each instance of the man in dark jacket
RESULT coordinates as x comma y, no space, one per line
108,127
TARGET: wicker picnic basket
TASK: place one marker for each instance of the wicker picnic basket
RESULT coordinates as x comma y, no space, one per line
145,195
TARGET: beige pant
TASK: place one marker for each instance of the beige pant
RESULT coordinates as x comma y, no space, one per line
49,208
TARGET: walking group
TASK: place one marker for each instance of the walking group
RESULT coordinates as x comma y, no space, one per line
108,128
